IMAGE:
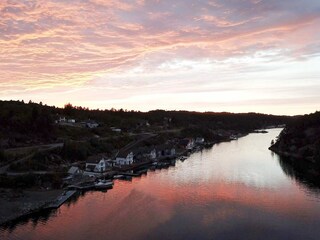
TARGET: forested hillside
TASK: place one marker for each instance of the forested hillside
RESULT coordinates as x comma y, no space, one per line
301,138
31,123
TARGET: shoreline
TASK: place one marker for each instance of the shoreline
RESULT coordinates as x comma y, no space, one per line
36,201
291,157
15,205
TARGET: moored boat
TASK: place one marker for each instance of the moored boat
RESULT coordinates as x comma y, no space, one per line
103,184
118,176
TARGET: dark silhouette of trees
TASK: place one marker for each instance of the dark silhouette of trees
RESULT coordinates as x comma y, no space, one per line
26,122
301,137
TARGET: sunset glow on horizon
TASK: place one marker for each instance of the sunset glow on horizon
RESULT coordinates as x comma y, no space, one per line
199,55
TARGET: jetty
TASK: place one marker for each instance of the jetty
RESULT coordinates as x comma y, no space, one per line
129,174
62,199
82,187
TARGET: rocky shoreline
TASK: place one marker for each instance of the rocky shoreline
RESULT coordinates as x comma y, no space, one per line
284,153
15,204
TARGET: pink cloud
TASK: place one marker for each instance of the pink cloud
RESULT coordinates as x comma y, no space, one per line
46,44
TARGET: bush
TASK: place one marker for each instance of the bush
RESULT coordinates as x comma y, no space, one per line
75,151
3,156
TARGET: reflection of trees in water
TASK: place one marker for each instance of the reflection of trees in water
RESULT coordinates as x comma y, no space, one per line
38,217
303,172
34,219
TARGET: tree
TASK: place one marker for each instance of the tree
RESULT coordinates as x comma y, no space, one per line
3,156
68,109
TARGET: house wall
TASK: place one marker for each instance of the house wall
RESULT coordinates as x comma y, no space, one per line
153,154
101,166
124,161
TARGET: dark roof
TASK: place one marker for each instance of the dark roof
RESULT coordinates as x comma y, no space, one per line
143,150
91,167
184,142
164,147
123,154
95,159
91,122
73,170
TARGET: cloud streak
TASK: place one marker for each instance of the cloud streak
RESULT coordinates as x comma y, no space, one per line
50,44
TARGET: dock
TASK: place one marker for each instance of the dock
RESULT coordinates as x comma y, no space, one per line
129,174
62,199
82,187
143,171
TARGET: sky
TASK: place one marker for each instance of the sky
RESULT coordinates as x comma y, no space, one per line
214,55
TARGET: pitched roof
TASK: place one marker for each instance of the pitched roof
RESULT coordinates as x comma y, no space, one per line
91,167
73,170
184,142
164,147
123,154
143,150
95,159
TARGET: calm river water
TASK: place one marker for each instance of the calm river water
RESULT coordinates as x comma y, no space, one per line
236,190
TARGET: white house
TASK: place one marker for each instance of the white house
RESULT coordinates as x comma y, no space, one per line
92,124
62,119
200,140
164,151
117,130
144,154
153,154
187,143
124,158
191,144
98,164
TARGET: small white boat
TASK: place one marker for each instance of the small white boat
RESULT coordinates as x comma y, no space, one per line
117,176
103,184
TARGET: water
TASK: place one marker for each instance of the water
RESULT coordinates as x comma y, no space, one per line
236,190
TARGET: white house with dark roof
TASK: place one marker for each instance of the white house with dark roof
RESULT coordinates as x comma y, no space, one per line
92,124
98,164
165,150
153,154
124,158
144,153
187,143
200,140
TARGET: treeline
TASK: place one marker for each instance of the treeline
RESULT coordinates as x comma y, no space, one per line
29,121
23,120
32,180
301,138
79,151
224,120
